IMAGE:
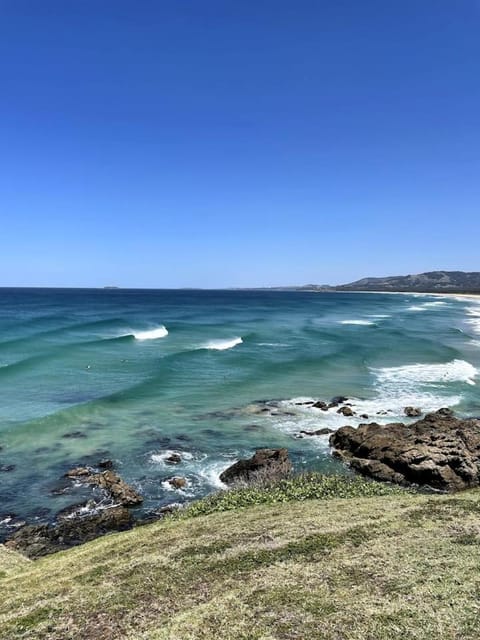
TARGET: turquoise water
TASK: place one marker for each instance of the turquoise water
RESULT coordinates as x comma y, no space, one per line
131,375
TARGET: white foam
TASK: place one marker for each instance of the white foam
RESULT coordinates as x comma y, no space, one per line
420,385
182,490
211,474
437,303
416,308
475,324
454,371
272,344
222,345
161,457
380,316
357,322
151,334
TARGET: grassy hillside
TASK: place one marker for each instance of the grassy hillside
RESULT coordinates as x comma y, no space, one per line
361,568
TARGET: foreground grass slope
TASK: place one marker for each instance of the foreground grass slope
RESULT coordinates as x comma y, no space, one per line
362,568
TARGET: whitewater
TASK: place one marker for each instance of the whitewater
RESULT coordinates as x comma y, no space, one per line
136,376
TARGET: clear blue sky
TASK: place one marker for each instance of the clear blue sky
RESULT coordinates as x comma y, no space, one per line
219,143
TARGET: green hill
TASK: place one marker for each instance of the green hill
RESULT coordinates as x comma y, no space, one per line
365,567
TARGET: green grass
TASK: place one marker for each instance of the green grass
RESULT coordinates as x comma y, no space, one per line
287,562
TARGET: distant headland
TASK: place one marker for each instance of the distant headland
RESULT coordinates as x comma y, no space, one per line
429,282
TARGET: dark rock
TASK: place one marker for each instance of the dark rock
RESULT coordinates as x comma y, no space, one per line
110,482
39,540
74,434
173,458
252,427
439,451
105,464
77,510
265,464
364,416
177,482
212,433
412,412
338,400
320,405
156,514
60,487
39,513
304,403
445,411
318,432
5,468
346,411
8,523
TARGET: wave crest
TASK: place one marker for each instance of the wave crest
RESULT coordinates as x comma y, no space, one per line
151,334
358,322
222,345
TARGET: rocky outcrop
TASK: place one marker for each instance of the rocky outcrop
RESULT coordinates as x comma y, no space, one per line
346,411
120,492
320,405
264,465
70,530
412,412
177,482
439,451
173,458
318,432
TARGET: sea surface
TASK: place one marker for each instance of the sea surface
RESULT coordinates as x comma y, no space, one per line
134,375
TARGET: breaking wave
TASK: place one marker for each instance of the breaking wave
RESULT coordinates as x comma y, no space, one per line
151,334
222,345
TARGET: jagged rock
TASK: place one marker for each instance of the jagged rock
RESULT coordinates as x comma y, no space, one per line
320,405
334,402
69,531
439,451
157,514
444,411
173,458
79,472
412,412
177,482
105,464
120,492
318,432
346,411
364,416
265,464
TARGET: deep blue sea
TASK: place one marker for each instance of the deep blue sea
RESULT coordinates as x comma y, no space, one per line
134,375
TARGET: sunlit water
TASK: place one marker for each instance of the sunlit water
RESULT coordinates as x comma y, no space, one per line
133,375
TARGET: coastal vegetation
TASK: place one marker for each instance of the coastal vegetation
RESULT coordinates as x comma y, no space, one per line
309,557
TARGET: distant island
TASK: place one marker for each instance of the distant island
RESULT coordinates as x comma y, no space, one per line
429,282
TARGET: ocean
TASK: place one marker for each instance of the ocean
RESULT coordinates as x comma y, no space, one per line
134,375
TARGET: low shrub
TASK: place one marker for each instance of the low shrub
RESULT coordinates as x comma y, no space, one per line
308,486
